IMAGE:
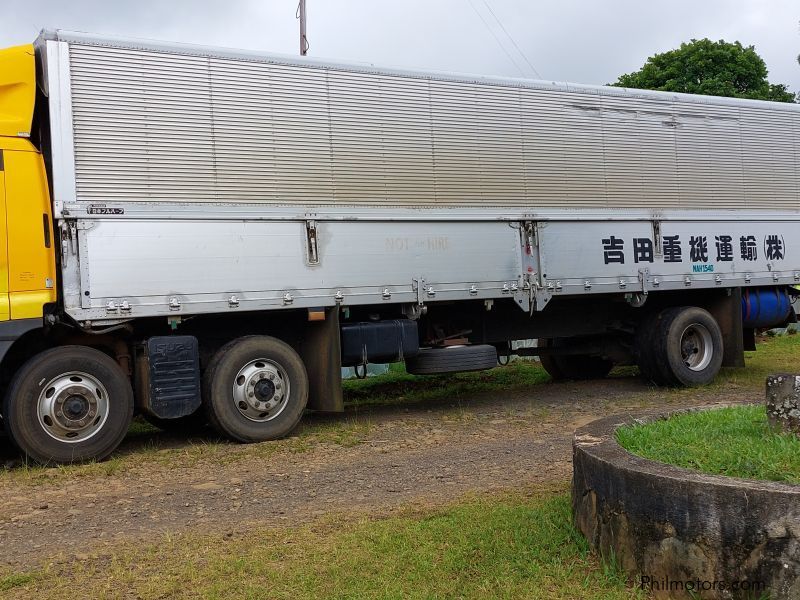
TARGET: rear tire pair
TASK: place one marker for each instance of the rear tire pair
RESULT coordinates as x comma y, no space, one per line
255,389
679,346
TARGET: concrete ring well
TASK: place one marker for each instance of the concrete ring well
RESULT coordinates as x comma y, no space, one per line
667,527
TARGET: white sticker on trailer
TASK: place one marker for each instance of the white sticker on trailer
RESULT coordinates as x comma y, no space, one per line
618,249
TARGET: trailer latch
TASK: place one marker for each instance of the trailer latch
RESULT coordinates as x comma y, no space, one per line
312,251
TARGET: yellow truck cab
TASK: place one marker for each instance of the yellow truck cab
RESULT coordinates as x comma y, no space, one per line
27,256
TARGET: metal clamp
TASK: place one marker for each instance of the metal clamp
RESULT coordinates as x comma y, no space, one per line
312,247
418,285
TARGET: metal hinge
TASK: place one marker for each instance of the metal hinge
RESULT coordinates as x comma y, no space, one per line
418,285
69,237
658,246
312,250
644,279
529,236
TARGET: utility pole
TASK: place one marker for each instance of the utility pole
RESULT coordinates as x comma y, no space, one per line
301,13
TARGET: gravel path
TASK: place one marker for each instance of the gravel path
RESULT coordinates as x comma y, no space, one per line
425,454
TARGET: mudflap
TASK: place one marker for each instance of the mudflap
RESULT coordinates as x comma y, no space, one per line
168,376
321,353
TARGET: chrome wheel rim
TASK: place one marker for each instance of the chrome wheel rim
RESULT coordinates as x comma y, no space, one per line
261,390
73,407
697,347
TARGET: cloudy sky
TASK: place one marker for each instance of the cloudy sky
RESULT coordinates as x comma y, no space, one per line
587,41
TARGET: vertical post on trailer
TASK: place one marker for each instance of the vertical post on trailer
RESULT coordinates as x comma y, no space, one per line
301,10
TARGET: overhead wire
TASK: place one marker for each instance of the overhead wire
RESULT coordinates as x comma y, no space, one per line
499,22
497,39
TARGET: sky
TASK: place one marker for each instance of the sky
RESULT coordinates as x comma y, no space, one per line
586,41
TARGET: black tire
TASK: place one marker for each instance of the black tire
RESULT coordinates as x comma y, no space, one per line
687,347
454,359
573,366
548,360
223,372
49,444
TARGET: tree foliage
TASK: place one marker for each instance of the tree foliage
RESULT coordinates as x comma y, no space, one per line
711,68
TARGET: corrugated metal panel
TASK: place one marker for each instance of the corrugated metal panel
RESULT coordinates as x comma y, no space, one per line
160,126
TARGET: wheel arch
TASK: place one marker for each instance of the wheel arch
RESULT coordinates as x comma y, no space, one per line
20,339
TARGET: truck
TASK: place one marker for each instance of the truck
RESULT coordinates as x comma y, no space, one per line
203,233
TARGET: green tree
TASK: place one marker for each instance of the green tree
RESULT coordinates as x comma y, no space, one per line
712,68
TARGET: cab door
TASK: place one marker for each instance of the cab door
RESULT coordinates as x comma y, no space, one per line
30,253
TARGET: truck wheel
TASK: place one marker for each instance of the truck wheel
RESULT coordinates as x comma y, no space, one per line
68,404
686,347
255,389
572,366
453,359
548,361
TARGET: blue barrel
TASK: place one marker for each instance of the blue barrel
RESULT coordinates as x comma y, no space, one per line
765,307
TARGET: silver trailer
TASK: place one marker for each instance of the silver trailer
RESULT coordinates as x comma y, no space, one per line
195,180
349,214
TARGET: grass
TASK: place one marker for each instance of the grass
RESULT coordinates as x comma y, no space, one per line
150,446
735,441
507,546
774,355
15,580
502,546
399,387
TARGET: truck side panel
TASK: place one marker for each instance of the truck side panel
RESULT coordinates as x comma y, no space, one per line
627,256
160,124
125,267
131,267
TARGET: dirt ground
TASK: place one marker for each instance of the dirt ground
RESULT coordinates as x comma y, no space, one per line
427,453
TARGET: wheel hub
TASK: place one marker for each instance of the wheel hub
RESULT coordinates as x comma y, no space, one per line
697,347
264,390
76,407
260,390
72,407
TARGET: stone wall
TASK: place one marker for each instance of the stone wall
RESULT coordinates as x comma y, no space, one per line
676,526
